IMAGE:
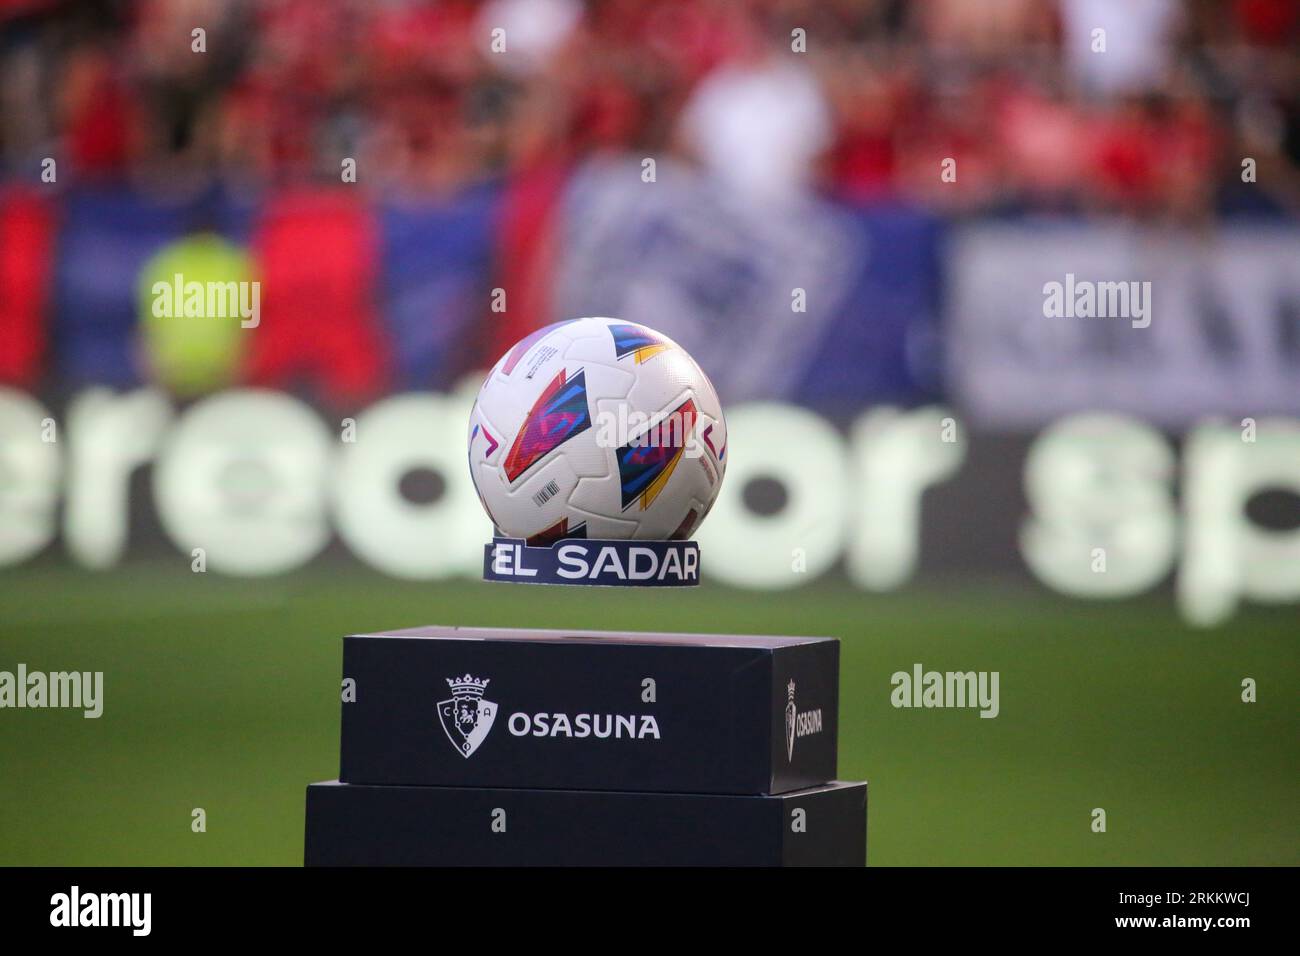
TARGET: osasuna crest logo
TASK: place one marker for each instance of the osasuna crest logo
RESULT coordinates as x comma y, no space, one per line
466,717
790,714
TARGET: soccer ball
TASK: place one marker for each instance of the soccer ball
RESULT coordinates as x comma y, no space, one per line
597,428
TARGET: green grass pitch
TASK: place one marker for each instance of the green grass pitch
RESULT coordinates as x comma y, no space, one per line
223,694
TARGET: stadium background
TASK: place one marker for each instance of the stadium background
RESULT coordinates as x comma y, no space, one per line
522,171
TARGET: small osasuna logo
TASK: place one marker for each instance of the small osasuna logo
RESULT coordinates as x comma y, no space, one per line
466,717
799,723
790,714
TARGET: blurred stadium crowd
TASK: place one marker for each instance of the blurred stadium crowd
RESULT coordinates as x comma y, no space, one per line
500,149
1013,90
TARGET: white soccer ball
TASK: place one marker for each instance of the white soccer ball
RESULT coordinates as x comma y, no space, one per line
597,428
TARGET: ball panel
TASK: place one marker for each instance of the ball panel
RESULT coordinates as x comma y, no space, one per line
537,503
601,525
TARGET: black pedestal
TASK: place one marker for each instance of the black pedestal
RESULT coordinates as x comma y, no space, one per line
481,747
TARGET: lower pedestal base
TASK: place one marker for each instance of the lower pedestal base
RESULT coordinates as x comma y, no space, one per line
360,825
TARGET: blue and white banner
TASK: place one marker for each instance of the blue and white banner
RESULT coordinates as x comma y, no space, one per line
806,300
434,267
1206,326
